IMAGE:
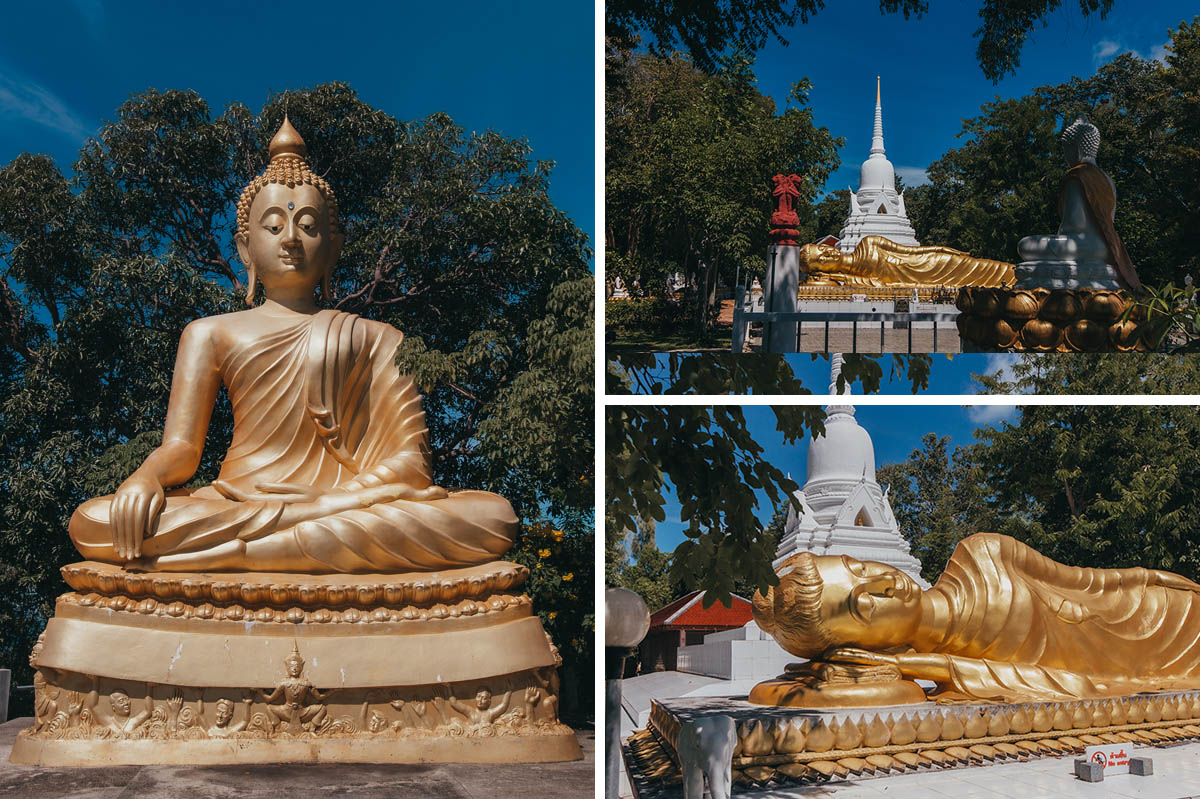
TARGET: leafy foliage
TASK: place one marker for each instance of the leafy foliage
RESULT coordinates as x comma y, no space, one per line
1088,485
450,237
1002,184
707,28
689,157
709,459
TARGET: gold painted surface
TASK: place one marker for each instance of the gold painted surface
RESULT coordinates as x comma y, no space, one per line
304,590
328,470
819,746
271,716
878,261
321,600
1042,320
1002,624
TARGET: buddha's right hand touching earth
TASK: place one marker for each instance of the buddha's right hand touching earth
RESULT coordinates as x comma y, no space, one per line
135,509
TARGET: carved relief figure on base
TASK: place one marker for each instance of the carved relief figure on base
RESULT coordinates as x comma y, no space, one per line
1003,623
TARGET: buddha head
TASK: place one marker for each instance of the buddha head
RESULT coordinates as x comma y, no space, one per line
828,601
224,712
1081,142
288,232
817,258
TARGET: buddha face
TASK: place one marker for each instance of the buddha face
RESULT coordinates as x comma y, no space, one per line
868,604
289,243
820,258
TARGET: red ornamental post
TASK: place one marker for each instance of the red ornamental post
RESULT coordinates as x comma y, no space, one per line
784,222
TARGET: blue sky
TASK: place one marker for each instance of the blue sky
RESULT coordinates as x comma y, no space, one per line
930,78
895,430
525,69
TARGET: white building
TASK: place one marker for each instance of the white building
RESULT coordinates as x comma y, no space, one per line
876,209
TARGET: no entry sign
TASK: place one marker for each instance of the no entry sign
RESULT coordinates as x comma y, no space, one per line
1113,758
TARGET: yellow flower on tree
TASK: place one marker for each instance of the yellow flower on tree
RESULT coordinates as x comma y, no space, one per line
568,577
543,553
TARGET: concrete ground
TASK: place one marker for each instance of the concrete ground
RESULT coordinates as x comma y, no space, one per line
449,781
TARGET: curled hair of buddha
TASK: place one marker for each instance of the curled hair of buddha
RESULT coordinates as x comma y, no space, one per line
791,611
1085,136
288,166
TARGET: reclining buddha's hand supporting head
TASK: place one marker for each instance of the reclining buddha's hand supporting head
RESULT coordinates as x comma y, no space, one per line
288,232
823,602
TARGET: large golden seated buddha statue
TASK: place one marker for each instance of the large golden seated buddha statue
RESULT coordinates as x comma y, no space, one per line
356,610
1002,624
879,261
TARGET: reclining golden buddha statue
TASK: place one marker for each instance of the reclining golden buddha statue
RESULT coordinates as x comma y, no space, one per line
322,568
1003,623
879,261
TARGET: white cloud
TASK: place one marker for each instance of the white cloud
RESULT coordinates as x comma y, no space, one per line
27,100
991,414
999,365
1106,49
913,175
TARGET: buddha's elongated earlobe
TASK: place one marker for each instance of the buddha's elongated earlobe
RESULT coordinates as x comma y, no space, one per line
325,294
252,283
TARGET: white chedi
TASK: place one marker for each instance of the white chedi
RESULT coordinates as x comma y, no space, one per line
876,209
843,510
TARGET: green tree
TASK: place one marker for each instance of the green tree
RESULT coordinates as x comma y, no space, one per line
938,499
633,561
1094,485
707,28
450,237
1002,183
689,156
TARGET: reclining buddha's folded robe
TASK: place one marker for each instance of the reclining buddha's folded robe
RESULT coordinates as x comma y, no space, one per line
1029,627
318,404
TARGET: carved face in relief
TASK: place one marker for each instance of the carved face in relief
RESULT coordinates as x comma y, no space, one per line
290,241
483,699
295,665
224,712
377,722
119,701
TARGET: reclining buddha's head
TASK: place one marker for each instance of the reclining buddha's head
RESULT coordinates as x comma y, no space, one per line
828,601
821,258
288,233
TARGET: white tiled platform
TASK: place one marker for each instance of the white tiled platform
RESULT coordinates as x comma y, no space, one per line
1176,776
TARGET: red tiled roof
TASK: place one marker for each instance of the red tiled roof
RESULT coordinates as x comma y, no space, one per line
688,611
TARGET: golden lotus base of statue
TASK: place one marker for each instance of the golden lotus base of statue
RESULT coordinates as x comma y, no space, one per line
144,668
821,685
1044,320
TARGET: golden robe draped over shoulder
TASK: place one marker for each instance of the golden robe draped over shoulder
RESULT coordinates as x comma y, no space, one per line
1028,627
318,404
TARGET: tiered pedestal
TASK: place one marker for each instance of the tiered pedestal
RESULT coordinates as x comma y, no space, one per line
1044,320
778,746
142,668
